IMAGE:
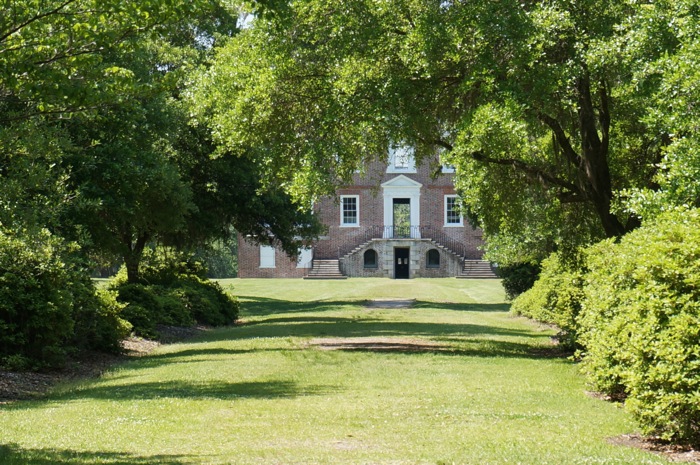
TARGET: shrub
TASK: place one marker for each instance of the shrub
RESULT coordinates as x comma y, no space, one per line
48,306
640,325
98,321
141,308
35,301
174,312
518,278
174,292
209,303
555,298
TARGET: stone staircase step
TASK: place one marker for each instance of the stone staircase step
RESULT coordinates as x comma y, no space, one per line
325,269
477,269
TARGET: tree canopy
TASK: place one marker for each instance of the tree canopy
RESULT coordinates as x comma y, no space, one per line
95,141
549,110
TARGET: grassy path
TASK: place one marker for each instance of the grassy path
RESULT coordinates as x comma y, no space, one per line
454,379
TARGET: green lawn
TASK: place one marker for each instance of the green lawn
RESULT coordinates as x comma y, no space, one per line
454,379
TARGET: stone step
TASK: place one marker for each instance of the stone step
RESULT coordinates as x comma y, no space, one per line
477,269
325,277
325,269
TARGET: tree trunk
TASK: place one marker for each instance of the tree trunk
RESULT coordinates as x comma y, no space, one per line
132,259
594,170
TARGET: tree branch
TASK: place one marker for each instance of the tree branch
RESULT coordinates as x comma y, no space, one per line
563,140
35,18
441,143
604,115
546,179
586,114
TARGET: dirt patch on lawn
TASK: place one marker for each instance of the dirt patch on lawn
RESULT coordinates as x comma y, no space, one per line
390,303
674,453
377,344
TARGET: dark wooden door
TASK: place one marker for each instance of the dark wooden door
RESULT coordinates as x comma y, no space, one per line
401,268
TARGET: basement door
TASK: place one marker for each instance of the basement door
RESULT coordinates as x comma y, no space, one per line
401,267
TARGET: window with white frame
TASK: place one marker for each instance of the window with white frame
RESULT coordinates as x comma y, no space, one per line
453,216
401,160
267,256
349,210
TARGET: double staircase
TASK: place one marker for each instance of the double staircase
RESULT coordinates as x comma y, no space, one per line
325,269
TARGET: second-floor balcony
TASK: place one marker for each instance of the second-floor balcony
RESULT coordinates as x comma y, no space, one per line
402,232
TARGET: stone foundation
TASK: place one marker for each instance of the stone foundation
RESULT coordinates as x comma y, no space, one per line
353,265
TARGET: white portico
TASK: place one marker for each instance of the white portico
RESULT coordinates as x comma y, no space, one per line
402,206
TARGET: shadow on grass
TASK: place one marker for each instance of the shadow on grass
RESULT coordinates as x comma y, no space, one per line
368,327
13,454
194,391
482,348
263,306
458,307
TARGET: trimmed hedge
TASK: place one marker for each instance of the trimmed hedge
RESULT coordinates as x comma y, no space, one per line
640,324
555,298
634,310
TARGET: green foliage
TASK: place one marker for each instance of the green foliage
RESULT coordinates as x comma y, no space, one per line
640,325
209,303
672,109
142,308
518,278
229,192
35,299
555,298
173,291
221,258
48,306
537,105
99,320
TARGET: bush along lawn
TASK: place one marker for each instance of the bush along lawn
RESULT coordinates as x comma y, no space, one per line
316,376
632,307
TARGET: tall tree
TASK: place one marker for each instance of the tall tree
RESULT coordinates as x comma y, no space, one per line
540,105
56,62
142,175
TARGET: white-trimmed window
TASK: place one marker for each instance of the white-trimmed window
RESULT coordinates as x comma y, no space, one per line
349,210
267,256
453,216
401,160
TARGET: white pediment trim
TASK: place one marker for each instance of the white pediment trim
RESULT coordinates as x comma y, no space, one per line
402,187
402,181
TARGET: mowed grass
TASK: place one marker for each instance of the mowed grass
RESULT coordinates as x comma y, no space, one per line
453,379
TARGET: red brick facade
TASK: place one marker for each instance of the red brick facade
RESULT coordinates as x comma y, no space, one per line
249,263
377,194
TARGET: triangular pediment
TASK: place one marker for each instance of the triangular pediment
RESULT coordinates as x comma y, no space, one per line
403,182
